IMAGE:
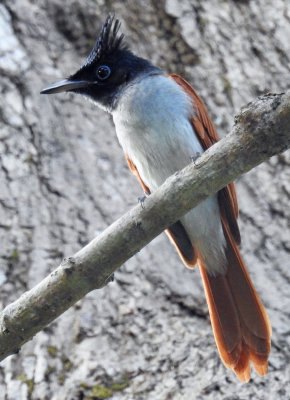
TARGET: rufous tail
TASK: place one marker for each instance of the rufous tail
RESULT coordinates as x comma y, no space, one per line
240,322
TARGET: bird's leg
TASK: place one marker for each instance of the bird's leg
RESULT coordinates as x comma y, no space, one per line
195,157
111,278
142,199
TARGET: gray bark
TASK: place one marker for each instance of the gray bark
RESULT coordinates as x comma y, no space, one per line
59,166
261,130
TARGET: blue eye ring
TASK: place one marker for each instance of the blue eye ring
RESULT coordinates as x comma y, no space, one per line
103,72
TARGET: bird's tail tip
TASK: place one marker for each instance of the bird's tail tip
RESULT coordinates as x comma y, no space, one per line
240,322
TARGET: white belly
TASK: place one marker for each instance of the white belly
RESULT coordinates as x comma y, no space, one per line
153,126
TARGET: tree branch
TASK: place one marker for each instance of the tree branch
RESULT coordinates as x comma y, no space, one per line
261,130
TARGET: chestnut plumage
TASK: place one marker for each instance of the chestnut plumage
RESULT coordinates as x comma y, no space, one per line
161,122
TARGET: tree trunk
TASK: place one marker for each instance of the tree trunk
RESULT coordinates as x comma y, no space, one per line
147,334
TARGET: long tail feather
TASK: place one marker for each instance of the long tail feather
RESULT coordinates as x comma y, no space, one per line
240,323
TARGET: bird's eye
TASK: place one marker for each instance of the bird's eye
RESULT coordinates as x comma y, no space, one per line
103,72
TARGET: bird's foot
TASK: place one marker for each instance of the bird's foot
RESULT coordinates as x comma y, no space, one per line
142,199
110,278
195,157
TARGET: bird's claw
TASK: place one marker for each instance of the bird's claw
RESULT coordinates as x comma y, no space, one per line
142,199
110,278
195,157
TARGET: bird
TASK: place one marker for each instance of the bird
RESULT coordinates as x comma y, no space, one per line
161,124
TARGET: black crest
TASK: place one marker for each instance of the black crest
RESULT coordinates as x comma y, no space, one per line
109,68
108,41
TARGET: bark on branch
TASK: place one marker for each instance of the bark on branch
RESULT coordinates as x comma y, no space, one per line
261,130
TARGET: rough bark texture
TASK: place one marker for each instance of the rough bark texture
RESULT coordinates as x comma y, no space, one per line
261,130
147,334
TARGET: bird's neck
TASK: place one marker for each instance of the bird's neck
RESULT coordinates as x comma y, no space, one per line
123,91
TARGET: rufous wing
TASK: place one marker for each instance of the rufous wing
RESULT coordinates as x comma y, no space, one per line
135,172
175,232
207,135
240,323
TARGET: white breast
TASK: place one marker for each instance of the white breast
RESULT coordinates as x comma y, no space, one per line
153,126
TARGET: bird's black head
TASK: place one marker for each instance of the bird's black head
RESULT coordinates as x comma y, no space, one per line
108,69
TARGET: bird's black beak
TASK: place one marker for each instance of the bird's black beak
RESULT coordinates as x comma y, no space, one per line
64,86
